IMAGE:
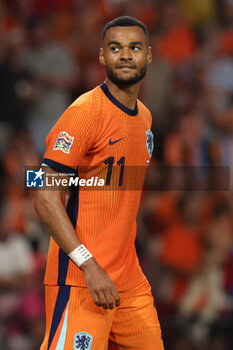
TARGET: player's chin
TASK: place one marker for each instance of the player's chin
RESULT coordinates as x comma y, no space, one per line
126,76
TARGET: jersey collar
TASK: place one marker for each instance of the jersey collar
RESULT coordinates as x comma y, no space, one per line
125,109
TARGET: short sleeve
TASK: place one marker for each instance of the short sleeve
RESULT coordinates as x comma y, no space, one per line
69,140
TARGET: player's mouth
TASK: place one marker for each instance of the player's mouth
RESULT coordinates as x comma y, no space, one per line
125,66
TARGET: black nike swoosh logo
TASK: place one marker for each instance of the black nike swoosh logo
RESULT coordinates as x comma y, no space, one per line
113,142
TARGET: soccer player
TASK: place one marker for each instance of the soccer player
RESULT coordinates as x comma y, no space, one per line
97,296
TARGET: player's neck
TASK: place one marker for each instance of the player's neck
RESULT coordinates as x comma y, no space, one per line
127,96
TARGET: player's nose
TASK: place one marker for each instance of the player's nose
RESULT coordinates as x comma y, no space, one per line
126,54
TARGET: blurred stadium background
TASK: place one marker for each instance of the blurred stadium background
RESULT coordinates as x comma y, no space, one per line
48,57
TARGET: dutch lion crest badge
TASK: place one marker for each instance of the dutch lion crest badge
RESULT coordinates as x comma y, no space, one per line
82,341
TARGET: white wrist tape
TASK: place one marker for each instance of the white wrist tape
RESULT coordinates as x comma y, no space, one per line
80,254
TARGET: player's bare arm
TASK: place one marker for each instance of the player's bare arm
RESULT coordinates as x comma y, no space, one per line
51,210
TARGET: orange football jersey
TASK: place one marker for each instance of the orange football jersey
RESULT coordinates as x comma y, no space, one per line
99,136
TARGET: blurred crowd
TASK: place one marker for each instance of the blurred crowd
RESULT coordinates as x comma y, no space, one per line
48,57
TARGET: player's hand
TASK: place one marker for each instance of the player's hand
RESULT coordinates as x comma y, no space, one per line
103,291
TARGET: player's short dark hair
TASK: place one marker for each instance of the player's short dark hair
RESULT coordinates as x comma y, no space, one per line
125,21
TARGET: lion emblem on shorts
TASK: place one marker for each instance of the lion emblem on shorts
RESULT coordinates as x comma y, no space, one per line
82,341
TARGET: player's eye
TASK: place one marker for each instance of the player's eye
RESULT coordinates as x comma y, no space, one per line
135,48
114,48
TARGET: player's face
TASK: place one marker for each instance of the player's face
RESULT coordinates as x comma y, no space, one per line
125,54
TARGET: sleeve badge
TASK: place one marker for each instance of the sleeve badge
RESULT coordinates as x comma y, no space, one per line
149,142
63,142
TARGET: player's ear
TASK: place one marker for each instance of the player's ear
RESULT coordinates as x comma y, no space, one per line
101,56
149,55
